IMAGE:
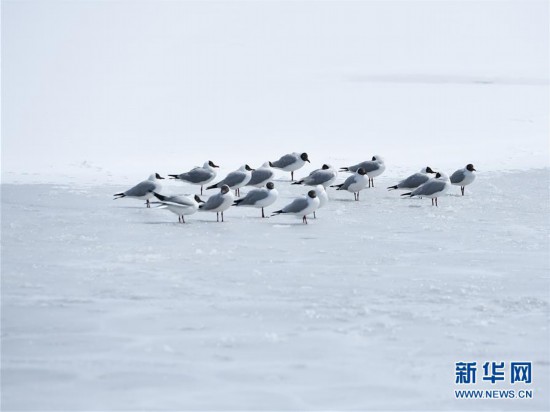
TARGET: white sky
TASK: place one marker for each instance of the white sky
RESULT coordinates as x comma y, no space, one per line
126,83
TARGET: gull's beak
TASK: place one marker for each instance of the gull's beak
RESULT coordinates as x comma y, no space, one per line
307,160
215,166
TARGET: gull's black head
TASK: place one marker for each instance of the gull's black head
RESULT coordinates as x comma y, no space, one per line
374,158
325,167
312,194
429,169
361,171
211,164
158,176
248,168
198,199
270,185
470,167
437,175
304,157
224,189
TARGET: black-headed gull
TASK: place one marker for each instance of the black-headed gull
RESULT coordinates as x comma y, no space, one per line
235,180
414,180
464,177
259,198
219,202
291,162
433,188
143,190
301,206
199,175
325,176
355,183
261,175
179,205
373,168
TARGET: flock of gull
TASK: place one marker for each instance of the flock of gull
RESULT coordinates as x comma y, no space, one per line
264,194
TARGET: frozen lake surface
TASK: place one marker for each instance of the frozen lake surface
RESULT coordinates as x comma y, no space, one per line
109,305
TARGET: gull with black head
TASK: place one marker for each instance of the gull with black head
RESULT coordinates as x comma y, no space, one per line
374,167
199,175
355,183
325,176
291,162
414,180
143,190
259,198
235,180
219,202
179,205
301,206
464,177
433,188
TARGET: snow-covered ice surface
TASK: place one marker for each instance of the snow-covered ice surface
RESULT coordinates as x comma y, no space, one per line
108,305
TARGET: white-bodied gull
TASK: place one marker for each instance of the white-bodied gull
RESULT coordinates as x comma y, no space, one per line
414,180
179,205
433,188
463,177
325,176
259,198
373,168
143,190
291,162
261,176
355,183
301,206
219,202
198,175
235,180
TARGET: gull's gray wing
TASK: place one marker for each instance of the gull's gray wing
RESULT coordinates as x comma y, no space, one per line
429,188
253,197
413,181
141,189
296,206
458,176
232,179
368,166
260,175
196,175
213,202
349,181
318,177
284,161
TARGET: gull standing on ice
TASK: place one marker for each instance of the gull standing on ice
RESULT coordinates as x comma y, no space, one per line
373,168
464,177
143,190
414,180
433,188
218,202
325,176
355,183
259,197
198,175
323,197
301,206
180,205
261,176
291,162
235,180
